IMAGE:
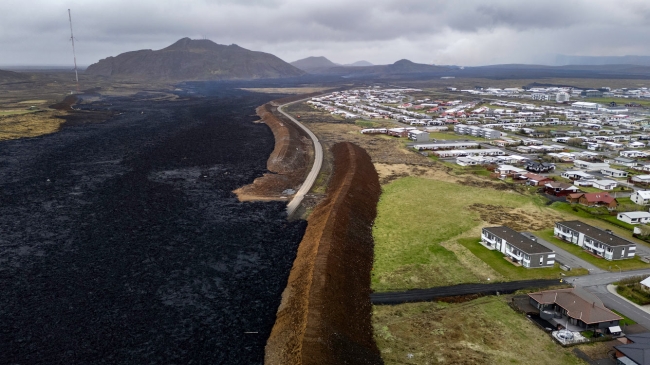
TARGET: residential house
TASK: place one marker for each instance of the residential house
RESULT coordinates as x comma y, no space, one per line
613,172
418,136
642,180
538,167
594,200
576,175
559,189
634,217
517,247
574,308
537,180
509,170
635,352
645,284
601,243
590,166
622,161
604,184
633,154
641,197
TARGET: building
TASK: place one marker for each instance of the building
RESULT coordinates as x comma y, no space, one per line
559,189
590,166
475,131
576,175
613,172
585,105
634,217
601,243
641,197
517,247
635,352
574,308
537,180
418,136
594,200
562,97
604,184
476,152
445,146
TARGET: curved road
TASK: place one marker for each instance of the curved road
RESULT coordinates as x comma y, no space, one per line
315,169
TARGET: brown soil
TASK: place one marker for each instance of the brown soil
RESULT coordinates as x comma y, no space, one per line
515,218
288,163
325,314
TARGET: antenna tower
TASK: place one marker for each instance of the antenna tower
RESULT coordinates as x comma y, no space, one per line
76,75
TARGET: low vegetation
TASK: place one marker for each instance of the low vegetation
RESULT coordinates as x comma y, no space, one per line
419,221
631,289
481,331
29,124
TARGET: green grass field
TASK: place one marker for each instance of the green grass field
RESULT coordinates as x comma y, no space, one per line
454,136
616,265
4,113
414,217
481,331
511,272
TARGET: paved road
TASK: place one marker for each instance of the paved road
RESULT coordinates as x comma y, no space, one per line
565,257
315,169
597,284
424,295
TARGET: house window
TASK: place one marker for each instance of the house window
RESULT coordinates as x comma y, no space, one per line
541,260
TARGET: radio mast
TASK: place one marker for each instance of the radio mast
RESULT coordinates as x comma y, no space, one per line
73,51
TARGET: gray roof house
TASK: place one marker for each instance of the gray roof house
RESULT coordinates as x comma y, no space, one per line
517,247
602,243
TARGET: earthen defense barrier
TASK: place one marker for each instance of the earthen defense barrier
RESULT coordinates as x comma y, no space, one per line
325,314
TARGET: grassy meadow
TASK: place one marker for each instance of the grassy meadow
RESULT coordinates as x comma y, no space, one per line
481,331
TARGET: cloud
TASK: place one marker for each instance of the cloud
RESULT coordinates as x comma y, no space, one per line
470,32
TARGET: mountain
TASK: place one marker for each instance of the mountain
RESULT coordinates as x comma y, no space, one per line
360,64
602,60
10,76
314,64
195,59
401,67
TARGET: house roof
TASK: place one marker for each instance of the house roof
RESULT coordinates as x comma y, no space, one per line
645,194
646,282
578,303
560,185
599,198
535,177
606,238
636,214
639,350
518,240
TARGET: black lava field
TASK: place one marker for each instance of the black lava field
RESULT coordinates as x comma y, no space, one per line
121,242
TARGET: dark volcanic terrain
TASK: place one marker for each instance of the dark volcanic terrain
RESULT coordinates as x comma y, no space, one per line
121,242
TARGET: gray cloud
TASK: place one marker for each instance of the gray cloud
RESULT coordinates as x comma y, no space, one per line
470,32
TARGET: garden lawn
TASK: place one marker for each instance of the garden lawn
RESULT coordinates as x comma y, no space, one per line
624,265
511,272
481,331
414,216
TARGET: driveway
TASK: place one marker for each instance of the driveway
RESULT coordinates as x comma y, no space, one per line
565,257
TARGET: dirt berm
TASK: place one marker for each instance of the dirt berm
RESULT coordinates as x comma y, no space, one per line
325,314
288,162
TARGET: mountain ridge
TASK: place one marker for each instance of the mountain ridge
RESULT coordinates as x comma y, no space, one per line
194,60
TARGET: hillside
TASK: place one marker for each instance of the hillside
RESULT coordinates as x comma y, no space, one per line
10,76
602,60
401,67
314,64
360,64
189,59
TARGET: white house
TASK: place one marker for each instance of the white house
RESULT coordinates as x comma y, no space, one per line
636,144
634,217
604,184
641,197
633,154
613,173
576,175
590,165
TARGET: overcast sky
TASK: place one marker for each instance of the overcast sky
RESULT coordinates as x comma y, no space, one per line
467,32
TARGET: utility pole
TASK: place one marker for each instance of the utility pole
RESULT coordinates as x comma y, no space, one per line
76,74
